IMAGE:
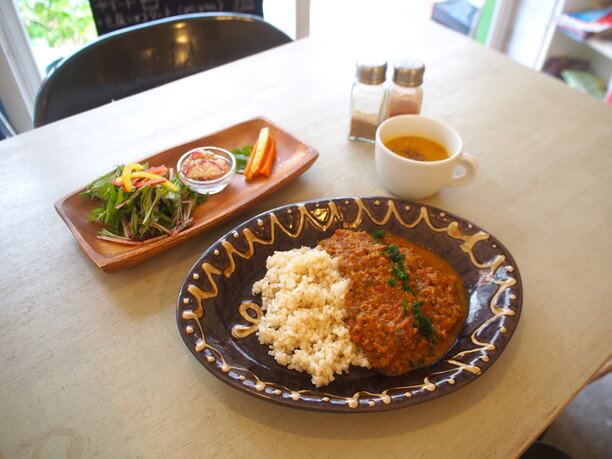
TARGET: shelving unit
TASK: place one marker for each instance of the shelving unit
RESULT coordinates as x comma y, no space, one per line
598,52
603,47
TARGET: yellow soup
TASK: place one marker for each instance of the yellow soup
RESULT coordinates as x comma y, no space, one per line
417,148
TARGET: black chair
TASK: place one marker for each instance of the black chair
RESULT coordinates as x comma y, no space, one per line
111,15
141,57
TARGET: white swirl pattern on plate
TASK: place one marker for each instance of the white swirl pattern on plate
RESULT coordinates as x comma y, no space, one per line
494,272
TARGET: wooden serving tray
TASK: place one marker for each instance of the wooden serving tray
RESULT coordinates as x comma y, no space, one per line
293,158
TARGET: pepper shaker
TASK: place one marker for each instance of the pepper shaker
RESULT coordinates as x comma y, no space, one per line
367,97
405,95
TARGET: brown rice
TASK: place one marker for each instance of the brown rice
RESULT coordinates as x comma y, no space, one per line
303,325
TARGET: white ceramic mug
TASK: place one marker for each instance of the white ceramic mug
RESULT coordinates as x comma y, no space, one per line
413,179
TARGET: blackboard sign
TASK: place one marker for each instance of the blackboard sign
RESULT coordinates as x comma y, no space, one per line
112,15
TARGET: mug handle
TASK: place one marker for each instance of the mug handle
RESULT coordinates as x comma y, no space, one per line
470,166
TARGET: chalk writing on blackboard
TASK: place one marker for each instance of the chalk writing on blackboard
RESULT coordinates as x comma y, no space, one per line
112,15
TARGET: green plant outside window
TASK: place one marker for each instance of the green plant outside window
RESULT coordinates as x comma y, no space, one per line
58,22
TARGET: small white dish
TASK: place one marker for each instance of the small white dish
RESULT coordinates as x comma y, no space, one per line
214,185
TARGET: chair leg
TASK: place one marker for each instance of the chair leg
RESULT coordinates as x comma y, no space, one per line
6,129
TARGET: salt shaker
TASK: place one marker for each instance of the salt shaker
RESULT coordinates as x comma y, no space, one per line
405,95
367,96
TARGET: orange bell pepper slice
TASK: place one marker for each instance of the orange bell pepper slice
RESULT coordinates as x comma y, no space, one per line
266,168
262,156
247,169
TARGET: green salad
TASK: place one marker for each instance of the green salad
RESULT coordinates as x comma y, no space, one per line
139,204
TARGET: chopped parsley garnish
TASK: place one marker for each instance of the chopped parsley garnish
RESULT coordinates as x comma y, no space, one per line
379,235
406,287
422,322
394,253
399,272
398,269
397,266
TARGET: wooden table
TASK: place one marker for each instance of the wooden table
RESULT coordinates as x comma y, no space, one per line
93,364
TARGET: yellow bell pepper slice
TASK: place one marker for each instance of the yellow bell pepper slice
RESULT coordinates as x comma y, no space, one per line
256,159
168,184
126,175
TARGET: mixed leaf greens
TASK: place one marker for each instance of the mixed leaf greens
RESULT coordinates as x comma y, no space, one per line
242,157
150,203
151,210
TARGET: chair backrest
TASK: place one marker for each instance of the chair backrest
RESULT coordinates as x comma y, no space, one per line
141,57
111,15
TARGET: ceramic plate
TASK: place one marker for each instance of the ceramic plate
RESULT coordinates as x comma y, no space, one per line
217,319
293,158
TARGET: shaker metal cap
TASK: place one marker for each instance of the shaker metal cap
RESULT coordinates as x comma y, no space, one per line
408,72
371,71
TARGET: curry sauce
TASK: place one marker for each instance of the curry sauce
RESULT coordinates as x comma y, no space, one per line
405,304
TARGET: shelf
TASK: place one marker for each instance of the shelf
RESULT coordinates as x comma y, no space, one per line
557,42
603,47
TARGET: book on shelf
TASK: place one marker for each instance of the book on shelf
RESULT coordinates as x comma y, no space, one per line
585,82
581,25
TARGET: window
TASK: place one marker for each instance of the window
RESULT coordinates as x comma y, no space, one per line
56,28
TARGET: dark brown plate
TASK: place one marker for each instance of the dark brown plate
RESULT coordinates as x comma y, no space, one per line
208,309
293,158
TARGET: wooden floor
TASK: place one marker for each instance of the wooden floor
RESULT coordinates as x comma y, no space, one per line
583,430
